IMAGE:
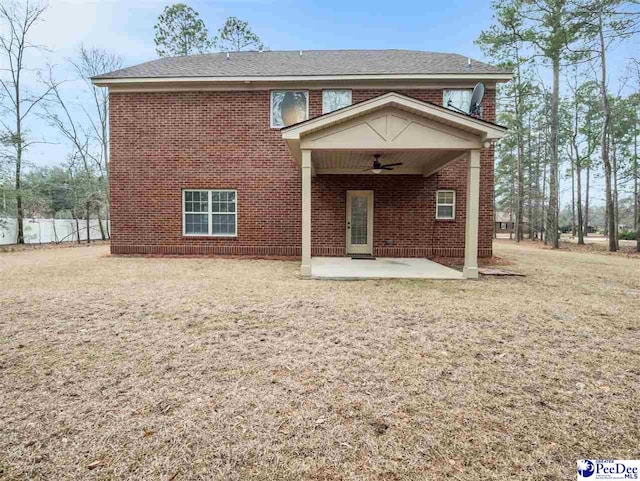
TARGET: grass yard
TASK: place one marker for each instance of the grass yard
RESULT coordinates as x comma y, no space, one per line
176,369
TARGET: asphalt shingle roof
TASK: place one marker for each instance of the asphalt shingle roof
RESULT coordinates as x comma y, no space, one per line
310,63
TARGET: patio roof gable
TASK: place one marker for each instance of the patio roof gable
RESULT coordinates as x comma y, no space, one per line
393,99
390,129
391,122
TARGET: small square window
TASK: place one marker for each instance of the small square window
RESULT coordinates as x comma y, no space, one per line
335,99
459,99
445,204
289,107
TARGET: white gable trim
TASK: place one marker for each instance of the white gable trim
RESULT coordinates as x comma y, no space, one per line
471,76
484,130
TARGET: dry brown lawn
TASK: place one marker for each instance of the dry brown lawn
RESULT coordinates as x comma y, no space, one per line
176,369
600,245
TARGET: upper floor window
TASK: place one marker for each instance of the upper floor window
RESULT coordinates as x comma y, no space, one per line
289,107
335,99
459,98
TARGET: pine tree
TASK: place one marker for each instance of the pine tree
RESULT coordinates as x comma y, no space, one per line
181,31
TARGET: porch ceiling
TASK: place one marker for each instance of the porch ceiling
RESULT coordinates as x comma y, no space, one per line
425,162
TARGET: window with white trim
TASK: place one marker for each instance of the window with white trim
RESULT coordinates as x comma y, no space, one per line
335,99
209,212
446,204
459,98
289,107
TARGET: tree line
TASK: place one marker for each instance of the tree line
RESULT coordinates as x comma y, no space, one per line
565,123
77,186
575,129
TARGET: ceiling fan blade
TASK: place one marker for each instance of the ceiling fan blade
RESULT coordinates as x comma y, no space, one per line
392,165
384,167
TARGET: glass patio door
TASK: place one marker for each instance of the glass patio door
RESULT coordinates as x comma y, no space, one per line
359,226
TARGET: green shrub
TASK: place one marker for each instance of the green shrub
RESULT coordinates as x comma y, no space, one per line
627,235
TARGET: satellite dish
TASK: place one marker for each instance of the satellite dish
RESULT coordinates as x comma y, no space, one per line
476,99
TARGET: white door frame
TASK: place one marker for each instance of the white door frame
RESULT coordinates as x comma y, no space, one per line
368,247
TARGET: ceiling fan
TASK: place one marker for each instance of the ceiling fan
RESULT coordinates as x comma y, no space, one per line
377,167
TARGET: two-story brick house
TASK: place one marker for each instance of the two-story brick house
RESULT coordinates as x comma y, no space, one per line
283,153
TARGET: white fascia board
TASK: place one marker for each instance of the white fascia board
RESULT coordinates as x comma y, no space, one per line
498,77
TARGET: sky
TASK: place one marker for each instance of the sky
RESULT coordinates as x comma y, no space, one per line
126,28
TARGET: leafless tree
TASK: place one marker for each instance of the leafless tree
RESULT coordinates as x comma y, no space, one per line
88,63
17,20
85,126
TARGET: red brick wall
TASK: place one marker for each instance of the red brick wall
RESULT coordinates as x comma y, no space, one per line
164,142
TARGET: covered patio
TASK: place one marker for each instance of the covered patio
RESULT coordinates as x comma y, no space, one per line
424,138
347,268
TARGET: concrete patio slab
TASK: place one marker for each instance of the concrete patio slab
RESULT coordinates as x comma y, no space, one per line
345,268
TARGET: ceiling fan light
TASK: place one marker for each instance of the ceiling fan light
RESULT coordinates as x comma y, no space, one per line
376,171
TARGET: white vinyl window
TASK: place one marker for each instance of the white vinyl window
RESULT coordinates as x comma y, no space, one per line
446,204
209,213
335,99
459,98
289,107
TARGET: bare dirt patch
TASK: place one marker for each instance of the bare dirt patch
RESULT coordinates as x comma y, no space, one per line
482,261
152,368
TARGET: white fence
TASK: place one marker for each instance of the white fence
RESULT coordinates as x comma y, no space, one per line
42,231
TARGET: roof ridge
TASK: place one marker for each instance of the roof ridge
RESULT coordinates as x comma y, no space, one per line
319,50
292,63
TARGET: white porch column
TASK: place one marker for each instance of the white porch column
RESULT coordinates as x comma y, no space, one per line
470,270
305,269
